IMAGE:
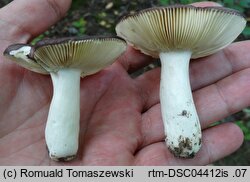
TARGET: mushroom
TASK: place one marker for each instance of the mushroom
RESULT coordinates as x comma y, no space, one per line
175,34
66,60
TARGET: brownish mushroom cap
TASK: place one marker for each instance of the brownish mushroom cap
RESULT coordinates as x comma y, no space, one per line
66,60
201,30
20,54
89,54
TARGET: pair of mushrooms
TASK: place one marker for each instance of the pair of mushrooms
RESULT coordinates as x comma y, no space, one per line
174,34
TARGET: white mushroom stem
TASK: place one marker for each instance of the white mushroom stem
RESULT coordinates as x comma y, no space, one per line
62,129
181,122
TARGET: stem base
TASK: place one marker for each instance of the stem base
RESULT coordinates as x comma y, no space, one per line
181,122
63,124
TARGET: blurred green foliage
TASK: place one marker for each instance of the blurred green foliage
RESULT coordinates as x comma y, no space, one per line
245,127
168,2
246,32
239,5
80,25
77,3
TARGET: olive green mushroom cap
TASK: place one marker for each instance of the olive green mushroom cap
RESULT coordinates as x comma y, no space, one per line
203,31
89,54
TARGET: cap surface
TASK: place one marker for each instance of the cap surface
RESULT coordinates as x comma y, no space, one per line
20,53
181,27
89,54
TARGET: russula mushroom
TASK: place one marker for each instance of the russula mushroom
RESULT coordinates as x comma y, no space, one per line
175,34
66,60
